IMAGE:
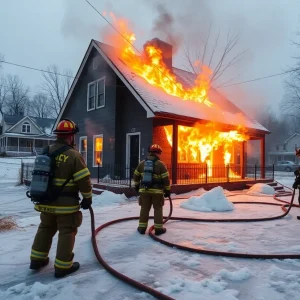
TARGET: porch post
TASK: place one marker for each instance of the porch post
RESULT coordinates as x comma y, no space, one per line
18,145
6,143
263,157
174,159
243,159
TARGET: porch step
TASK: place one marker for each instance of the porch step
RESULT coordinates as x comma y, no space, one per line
277,187
97,191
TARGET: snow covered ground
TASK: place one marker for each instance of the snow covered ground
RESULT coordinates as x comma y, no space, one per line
179,274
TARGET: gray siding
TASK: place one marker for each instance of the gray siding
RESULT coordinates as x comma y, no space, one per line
131,117
98,121
18,128
121,114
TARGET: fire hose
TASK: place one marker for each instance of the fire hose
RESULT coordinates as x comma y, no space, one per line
286,207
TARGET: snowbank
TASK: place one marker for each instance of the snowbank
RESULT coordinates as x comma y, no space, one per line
213,200
107,198
261,188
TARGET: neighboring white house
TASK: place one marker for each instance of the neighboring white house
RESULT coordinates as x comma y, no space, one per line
24,135
285,151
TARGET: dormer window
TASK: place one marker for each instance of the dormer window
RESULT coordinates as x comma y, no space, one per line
26,127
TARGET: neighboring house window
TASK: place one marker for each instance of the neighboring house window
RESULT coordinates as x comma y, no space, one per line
96,94
284,147
83,147
26,127
98,150
277,148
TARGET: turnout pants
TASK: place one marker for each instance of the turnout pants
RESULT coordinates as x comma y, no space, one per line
146,201
67,226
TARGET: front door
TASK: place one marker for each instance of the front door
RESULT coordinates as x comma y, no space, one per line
133,151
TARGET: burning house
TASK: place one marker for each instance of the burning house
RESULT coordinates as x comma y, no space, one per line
124,101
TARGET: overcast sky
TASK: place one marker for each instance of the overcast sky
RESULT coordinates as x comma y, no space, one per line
39,33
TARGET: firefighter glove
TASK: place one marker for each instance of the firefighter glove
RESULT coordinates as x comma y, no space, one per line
295,184
137,188
86,203
167,193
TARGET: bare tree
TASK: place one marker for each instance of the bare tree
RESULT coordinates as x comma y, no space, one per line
55,86
1,59
278,126
3,94
209,54
290,103
39,106
17,96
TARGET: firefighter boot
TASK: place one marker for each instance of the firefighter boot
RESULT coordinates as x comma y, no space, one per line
141,230
160,231
36,264
59,273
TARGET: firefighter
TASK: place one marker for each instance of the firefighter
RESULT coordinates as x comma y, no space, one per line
155,193
297,174
63,214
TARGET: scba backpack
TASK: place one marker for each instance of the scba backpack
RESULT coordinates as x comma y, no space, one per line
41,190
147,180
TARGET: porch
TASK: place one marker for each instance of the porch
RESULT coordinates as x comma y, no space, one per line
13,146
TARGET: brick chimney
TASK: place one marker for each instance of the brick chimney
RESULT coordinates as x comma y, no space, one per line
167,50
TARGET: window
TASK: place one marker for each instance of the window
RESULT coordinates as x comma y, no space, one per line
91,96
98,150
83,147
26,127
96,94
100,93
284,147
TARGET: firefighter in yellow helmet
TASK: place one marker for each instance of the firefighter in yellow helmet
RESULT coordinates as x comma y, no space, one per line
152,193
63,213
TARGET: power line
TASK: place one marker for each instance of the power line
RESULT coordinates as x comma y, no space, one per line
259,78
69,76
238,83
35,69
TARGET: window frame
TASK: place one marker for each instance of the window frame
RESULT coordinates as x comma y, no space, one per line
80,150
94,138
96,99
96,84
88,96
27,124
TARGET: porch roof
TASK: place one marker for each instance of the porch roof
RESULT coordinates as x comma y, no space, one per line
28,136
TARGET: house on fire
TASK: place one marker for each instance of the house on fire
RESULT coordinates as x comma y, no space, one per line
120,114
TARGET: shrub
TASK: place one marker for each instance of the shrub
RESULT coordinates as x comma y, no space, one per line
7,223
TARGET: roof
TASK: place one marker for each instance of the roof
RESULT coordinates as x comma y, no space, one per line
292,136
11,120
156,102
45,124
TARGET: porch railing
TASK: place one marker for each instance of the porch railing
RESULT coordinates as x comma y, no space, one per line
186,174
22,149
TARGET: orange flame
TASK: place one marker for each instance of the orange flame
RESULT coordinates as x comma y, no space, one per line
151,67
196,144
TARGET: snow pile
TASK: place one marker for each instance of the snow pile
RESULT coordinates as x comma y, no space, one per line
108,197
261,188
213,200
